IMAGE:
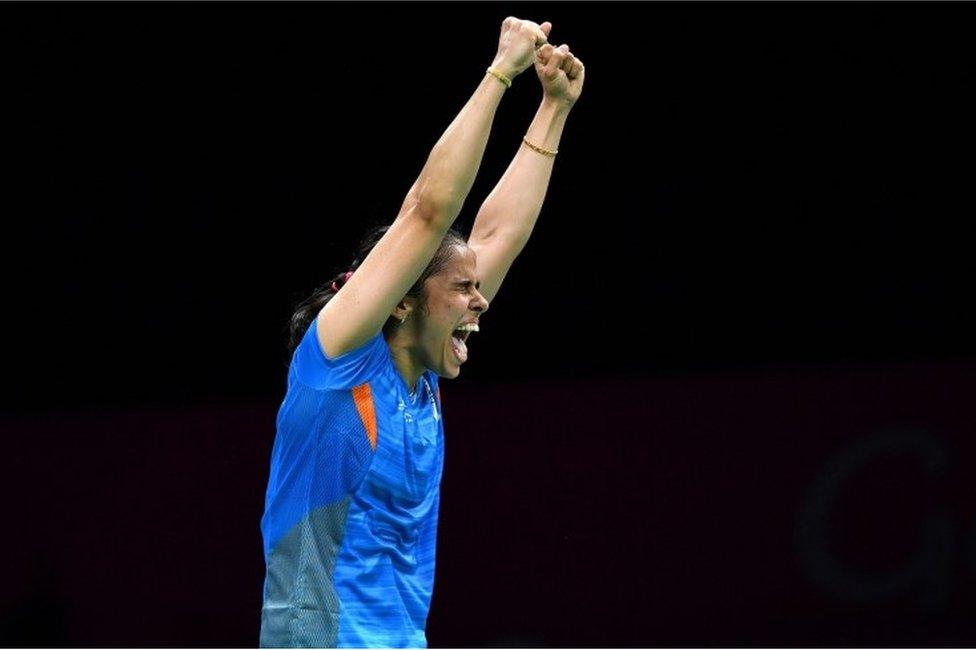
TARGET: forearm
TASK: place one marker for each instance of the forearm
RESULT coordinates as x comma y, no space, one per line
512,207
452,165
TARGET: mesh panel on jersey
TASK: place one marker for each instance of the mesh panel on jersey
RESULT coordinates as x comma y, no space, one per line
301,608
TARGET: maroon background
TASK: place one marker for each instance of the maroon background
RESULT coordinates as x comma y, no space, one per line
653,512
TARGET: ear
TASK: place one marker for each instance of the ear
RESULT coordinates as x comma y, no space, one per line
403,308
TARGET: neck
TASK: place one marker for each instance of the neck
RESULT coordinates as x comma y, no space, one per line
407,364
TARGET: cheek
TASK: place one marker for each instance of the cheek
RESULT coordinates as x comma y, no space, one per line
439,329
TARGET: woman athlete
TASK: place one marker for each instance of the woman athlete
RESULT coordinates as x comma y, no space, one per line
350,517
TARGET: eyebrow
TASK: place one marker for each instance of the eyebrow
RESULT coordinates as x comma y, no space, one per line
463,281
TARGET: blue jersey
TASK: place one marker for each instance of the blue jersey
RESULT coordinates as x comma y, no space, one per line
350,518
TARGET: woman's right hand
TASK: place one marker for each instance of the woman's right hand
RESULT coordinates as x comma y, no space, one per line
517,45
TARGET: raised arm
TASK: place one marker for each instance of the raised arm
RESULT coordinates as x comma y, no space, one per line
508,215
432,204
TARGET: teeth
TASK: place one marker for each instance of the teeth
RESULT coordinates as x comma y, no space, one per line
468,327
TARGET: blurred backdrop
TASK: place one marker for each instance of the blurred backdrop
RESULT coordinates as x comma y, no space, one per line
725,396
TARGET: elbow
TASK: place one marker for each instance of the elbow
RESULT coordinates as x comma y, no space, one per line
431,204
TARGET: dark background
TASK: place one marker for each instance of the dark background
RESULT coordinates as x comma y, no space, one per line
724,397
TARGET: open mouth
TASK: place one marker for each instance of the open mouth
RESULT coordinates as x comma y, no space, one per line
459,341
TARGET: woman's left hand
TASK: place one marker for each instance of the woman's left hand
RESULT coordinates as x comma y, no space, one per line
560,72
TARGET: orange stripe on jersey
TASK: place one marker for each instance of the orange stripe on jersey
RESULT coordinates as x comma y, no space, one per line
363,398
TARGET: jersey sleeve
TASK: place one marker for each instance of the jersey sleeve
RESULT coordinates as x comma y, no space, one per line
316,370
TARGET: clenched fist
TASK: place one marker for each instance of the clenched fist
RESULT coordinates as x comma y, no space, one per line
517,45
560,72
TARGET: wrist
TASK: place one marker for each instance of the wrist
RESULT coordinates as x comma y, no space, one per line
505,68
556,106
494,72
554,112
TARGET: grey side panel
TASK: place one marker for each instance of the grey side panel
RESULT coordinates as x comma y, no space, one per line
301,609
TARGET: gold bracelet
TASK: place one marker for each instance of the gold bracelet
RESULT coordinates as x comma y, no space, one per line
544,152
498,75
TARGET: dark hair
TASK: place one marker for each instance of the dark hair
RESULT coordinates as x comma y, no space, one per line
309,308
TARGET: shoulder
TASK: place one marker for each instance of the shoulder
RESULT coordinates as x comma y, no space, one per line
313,367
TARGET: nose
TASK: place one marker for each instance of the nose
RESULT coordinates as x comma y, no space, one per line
480,304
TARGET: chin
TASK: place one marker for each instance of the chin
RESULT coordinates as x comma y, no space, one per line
449,371
452,373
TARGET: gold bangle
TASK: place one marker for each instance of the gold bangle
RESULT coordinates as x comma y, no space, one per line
544,152
498,75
